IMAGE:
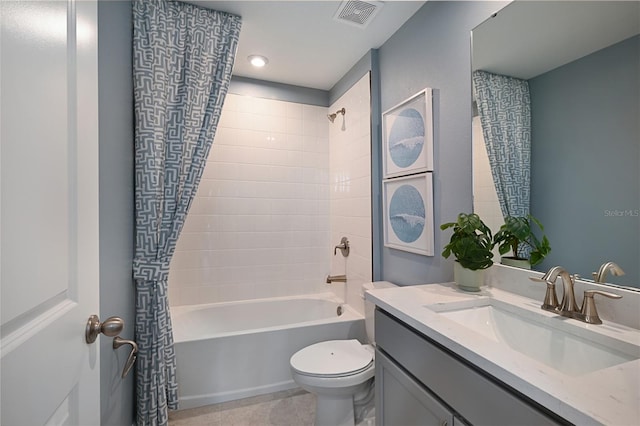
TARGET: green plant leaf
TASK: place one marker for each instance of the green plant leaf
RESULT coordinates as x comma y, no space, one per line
517,231
471,242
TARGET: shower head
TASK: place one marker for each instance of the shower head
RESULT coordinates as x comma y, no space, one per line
333,116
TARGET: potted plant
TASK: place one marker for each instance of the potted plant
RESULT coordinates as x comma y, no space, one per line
515,235
471,243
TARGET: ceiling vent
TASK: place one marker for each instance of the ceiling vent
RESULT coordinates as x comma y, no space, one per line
357,13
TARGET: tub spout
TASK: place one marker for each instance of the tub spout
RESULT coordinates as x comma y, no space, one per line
336,278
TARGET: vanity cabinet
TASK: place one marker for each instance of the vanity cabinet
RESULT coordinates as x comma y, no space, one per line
418,382
400,400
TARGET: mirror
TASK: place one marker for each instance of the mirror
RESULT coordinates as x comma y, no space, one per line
581,61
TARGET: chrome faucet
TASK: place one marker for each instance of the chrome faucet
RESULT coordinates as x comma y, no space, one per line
568,306
336,278
602,272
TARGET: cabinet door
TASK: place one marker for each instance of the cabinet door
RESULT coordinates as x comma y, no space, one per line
402,401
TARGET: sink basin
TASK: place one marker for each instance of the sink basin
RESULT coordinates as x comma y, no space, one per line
554,341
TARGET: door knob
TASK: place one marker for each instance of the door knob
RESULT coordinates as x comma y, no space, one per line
111,327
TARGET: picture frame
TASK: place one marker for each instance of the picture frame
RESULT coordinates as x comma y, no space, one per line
407,136
408,213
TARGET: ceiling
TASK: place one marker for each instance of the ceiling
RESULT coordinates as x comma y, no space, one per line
304,44
528,38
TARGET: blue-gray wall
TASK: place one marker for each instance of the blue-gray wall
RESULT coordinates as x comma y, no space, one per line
585,161
352,76
433,49
278,91
116,204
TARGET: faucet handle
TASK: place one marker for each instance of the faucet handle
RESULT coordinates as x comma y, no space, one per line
588,313
541,280
550,299
591,293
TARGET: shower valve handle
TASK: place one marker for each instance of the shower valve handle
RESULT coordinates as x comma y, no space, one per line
343,246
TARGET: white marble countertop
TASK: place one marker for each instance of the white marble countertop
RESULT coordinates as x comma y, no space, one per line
608,396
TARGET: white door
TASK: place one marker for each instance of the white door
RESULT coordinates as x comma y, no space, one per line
49,212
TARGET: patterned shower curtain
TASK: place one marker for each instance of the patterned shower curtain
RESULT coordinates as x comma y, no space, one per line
504,107
182,61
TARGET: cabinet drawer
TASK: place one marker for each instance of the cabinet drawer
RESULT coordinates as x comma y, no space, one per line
480,400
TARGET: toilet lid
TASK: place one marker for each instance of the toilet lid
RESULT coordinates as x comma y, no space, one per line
332,358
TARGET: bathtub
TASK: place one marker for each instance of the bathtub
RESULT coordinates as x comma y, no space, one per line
233,350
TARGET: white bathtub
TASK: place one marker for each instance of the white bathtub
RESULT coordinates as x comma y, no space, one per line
228,351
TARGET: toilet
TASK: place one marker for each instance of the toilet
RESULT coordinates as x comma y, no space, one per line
339,372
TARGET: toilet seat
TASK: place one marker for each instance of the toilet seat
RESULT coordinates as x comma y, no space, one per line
333,358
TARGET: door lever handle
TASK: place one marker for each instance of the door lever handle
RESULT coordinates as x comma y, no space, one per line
131,359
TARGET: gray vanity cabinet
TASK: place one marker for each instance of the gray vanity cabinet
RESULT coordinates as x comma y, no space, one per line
402,401
420,383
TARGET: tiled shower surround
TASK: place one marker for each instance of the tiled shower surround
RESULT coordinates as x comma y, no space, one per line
350,190
259,225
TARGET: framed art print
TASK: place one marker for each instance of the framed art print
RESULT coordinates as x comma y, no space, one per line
408,213
407,136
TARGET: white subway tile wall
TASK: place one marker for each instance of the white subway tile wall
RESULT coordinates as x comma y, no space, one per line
350,191
259,224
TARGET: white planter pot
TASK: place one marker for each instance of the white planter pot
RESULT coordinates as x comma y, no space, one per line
518,263
466,279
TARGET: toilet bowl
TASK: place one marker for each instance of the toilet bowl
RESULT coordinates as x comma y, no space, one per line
339,372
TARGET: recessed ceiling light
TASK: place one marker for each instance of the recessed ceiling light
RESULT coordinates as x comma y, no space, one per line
258,61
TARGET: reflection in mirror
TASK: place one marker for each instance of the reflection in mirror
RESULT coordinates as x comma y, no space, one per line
581,63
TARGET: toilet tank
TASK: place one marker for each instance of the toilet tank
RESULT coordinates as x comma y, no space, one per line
369,307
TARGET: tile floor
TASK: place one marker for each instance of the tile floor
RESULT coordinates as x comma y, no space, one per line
294,407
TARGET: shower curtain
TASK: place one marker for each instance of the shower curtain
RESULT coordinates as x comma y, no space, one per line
182,61
504,107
